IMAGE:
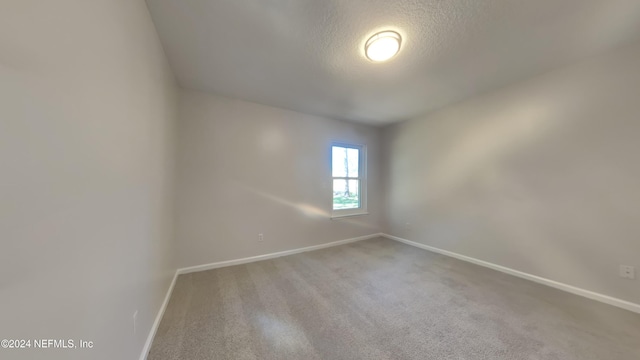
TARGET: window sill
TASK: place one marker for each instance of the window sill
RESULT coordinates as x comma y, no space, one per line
339,216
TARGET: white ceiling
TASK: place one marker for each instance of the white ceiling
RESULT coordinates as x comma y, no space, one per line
307,55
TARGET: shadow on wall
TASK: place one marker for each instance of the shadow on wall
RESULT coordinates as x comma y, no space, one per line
534,176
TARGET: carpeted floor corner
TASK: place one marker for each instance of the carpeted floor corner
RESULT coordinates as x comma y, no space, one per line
380,299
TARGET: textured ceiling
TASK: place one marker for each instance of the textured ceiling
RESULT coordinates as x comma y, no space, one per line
307,55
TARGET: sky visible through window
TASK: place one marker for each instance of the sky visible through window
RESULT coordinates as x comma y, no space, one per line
346,185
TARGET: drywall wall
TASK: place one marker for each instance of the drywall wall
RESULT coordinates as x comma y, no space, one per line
245,169
541,177
87,116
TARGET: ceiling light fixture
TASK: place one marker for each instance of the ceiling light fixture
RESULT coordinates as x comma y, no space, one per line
382,46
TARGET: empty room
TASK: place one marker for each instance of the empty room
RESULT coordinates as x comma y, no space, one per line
319,179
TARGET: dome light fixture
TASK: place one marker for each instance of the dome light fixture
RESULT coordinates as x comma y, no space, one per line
382,46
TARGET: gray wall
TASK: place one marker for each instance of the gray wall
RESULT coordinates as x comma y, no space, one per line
542,177
245,169
87,111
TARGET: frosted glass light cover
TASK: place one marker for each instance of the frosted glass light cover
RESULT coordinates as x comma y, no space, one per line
383,46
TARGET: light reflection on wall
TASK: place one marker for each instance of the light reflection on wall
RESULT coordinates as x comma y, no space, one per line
308,210
272,140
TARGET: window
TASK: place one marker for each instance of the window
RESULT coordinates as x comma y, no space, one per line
348,179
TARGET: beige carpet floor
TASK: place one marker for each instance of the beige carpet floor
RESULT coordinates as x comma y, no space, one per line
380,299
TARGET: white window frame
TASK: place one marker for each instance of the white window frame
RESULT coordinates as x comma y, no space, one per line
362,177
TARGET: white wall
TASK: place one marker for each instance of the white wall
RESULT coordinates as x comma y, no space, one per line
542,177
87,110
245,169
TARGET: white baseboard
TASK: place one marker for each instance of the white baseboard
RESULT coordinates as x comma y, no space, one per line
220,264
568,288
627,305
156,322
